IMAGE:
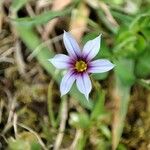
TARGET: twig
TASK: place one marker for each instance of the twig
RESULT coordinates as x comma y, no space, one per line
11,107
1,16
15,124
6,128
37,136
64,114
7,52
19,59
6,59
76,139
11,112
1,109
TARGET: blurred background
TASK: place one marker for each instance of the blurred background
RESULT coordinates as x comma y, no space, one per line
33,116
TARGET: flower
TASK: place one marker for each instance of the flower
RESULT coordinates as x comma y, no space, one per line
80,64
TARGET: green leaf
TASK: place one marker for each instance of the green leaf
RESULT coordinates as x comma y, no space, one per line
140,22
81,144
115,2
35,146
125,71
146,33
99,105
123,18
142,66
133,40
140,44
18,4
129,44
124,43
41,19
100,76
105,131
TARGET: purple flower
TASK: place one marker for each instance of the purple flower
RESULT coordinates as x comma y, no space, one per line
80,64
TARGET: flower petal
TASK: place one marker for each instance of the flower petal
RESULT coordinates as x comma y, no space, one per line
60,61
71,45
91,48
100,66
66,82
84,84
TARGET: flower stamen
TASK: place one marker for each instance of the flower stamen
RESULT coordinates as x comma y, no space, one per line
80,66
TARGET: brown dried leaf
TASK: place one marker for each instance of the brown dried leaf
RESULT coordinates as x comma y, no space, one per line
79,21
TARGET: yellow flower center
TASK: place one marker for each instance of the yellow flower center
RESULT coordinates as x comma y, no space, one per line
80,66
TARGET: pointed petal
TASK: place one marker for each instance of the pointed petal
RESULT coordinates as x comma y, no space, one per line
67,82
91,48
61,61
84,84
71,45
100,66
